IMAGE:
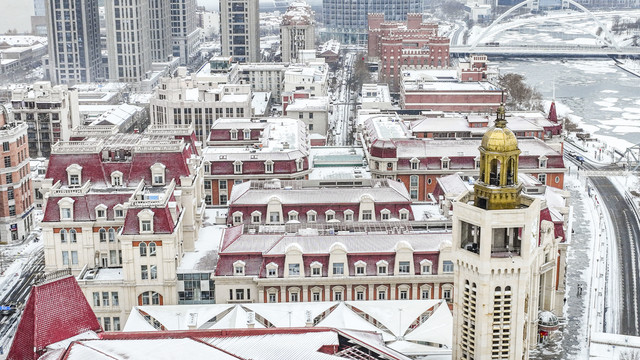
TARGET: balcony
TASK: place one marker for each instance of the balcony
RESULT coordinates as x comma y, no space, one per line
506,252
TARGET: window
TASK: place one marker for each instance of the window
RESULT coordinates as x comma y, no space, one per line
446,294
246,134
404,295
96,298
112,235
415,163
404,214
146,225
382,267
274,217
404,267
239,294
9,178
74,258
338,268
107,324
272,272
65,258
114,298
10,195
268,167
145,217
5,146
542,178
105,298
337,295
348,215
143,249
154,271
447,266
233,134
113,257
116,178
300,163
74,180
237,167
425,293
542,161
118,212
382,294
425,266
385,214
256,217
157,174
63,236
315,296
361,267
222,184
73,235
367,215
444,162
293,215
316,268
152,249
557,180
65,213
116,323
330,215
294,296
294,269
311,216
272,298
238,268
144,272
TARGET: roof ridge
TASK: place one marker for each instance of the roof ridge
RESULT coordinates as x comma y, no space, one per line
274,244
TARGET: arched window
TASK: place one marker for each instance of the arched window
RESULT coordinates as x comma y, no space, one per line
73,235
143,249
63,236
150,298
511,171
112,235
103,235
152,249
494,175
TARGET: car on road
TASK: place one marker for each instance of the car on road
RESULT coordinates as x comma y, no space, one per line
571,153
580,158
7,309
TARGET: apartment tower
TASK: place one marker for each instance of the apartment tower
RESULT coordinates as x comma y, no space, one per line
240,30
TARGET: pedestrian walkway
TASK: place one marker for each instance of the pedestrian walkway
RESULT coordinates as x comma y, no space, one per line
570,342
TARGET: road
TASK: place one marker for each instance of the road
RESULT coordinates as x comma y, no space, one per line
627,236
342,130
19,293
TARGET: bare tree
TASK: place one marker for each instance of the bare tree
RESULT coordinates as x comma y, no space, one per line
520,96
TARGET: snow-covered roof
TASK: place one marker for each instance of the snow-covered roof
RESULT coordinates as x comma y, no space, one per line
319,103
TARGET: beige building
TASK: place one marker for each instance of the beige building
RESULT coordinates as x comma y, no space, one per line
120,212
310,78
240,30
314,112
509,258
297,31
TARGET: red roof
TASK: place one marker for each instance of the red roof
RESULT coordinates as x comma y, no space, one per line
55,311
162,221
553,116
84,207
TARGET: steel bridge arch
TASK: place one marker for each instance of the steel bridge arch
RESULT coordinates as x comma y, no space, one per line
607,35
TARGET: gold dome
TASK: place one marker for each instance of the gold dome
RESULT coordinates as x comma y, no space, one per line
499,138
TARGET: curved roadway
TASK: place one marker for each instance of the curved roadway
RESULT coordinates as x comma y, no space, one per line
627,238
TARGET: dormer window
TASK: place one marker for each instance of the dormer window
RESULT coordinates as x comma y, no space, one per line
66,208
256,217
268,167
118,211
157,174
246,134
207,168
415,164
238,268
311,216
237,218
293,215
233,134
299,164
385,214
272,269
382,266
237,167
444,163
425,267
348,215
330,215
146,221
316,268
361,268
542,161
101,211
74,174
404,214
116,178
476,163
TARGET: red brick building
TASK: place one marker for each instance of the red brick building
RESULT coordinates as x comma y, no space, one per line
411,44
16,191
260,149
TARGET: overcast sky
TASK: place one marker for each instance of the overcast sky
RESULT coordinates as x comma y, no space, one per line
213,4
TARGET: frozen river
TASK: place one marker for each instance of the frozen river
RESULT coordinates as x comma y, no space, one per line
604,97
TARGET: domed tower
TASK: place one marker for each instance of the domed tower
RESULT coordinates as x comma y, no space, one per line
498,188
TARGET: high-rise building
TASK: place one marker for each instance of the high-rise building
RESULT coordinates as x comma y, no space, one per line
128,40
297,31
185,34
159,30
74,41
346,21
240,30
16,199
510,258
49,111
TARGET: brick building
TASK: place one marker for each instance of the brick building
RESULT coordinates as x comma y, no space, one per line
412,44
260,149
16,191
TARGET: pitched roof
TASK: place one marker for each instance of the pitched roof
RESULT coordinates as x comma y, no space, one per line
55,311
